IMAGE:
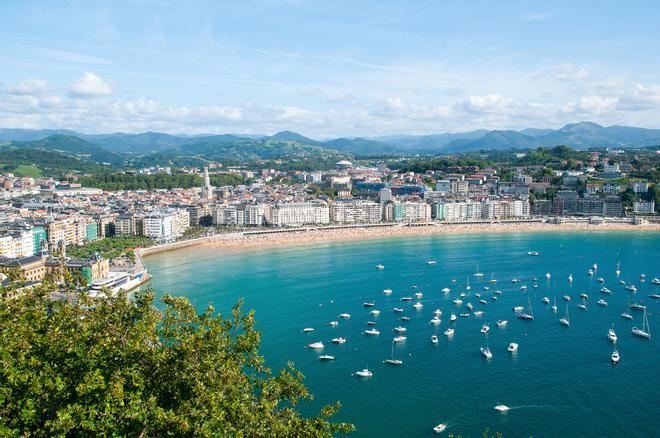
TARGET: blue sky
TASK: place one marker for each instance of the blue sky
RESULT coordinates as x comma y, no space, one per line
327,68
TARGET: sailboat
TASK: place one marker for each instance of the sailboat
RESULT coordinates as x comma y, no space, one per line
645,331
492,278
565,320
392,360
618,268
527,316
583,304
467,286
554,305
478,274
625,313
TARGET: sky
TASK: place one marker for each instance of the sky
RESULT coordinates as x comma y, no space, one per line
328,68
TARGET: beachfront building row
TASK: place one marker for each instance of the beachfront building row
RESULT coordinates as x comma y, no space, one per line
478,210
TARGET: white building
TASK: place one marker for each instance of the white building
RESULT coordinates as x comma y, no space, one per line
355,211
18,243
644,207
299,213
165,224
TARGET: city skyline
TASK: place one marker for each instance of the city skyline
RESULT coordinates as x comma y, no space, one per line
327,70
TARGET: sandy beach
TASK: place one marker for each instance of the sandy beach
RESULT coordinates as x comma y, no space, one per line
315,236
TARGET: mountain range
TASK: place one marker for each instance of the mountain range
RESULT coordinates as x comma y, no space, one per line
117,148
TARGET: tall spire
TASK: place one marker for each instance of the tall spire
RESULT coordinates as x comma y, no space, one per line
207,189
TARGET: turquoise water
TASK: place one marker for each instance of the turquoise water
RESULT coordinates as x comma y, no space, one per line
560,383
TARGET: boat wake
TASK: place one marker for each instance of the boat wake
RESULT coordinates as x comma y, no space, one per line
533,407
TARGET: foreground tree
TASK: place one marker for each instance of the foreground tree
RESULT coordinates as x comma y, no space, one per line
118,367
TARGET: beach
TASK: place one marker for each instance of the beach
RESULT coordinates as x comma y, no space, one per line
311,236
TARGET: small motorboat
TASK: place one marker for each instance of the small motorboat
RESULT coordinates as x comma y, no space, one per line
502,408
419,295
566,298
380,267
498,292
494,298
532,253
584,296
469,306
626,315
371,322
400,329
387,291
434,339
458,301
464,315
405,318
654,296
483,301
656,281
440,428
513,347
546,300
615,358
445,290
344,315
326,357
370,304
418,305
611,335
364,373
437,312
523,287
502,323
605,290
452,317
518,308
339,340
547,275
435,321
431,262
449,332
375,312
485,352
393,361
406,298
333,323
478,313
485,328
398,339
397,310
371,332
600,280
316,346
308,330
602,302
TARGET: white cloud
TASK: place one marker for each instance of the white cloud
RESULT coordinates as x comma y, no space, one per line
90,85
597,104
29,87
569,72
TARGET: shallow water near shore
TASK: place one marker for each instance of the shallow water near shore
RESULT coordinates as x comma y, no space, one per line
560,383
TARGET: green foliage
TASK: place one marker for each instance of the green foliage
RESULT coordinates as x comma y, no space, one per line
21,170
114,367
194,231
110,247
50,163
157,181
422,165
328,191
554,157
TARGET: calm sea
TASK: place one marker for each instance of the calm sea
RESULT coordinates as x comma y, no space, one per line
560,383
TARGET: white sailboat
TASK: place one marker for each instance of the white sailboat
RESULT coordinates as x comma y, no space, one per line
645,331
625,314
554,305
618,268
570,278
527,315
565,320
492,278
392,360
485,352
477,273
